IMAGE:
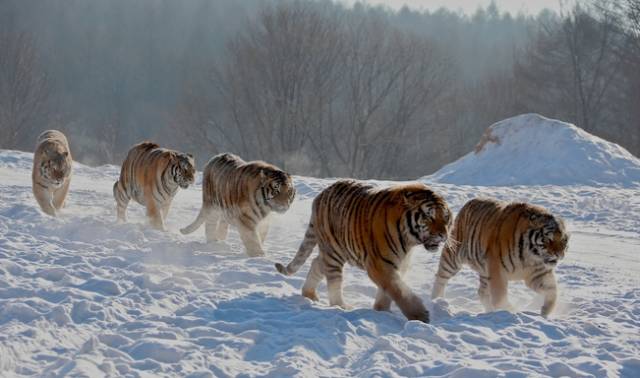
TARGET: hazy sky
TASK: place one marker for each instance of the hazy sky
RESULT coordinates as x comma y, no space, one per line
469,6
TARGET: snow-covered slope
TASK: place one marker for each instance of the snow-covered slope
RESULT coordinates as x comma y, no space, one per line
533,150
82,295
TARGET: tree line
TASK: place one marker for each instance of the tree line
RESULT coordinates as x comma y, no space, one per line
313,86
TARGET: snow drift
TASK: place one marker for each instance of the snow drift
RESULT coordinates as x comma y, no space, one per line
530,149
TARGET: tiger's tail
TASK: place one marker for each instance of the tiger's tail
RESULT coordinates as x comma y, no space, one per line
202,216
304,251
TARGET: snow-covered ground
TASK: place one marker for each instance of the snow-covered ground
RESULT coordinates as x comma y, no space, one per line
81,295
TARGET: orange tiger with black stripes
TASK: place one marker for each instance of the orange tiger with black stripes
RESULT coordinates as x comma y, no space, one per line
151,176
51,173
505,242
374,229
242,194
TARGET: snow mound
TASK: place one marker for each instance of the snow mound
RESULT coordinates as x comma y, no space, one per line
530,149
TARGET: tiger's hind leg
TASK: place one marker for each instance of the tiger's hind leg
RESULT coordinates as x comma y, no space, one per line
222,230
333,272
448,267
315,275
211,224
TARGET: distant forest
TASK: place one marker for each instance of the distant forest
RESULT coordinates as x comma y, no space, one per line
315,87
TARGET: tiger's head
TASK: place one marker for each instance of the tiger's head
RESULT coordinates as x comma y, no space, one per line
55,165
277,189
183,170
547,236
428,218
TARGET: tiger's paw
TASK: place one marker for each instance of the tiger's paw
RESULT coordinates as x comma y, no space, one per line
422,316
255,253
382,305
545,311
311,294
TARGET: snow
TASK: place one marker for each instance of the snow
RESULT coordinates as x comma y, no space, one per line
530,149
82,295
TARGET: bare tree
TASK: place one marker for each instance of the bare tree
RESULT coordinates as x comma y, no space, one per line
571,69
318,93
24,90
391,78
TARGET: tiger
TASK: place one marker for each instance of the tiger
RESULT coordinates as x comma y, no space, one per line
151,176
375,230
242,194
505,242
51,174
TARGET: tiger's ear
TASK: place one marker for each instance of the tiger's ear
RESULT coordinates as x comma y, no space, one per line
408,198
190,156
532,216
173,156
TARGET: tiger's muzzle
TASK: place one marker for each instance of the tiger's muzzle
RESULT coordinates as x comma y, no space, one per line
431,243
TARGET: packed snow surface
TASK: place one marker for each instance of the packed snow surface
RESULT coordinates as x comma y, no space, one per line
530,149
84,296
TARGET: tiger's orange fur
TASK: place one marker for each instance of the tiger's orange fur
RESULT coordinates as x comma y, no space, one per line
51,174
504,242
151,175
375,230
243,194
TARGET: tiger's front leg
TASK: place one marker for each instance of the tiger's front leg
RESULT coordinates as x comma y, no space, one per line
545,285
45,200
448,267
263,229
498,289
251,240
60,194
155,215
50,208
409,303
383,301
